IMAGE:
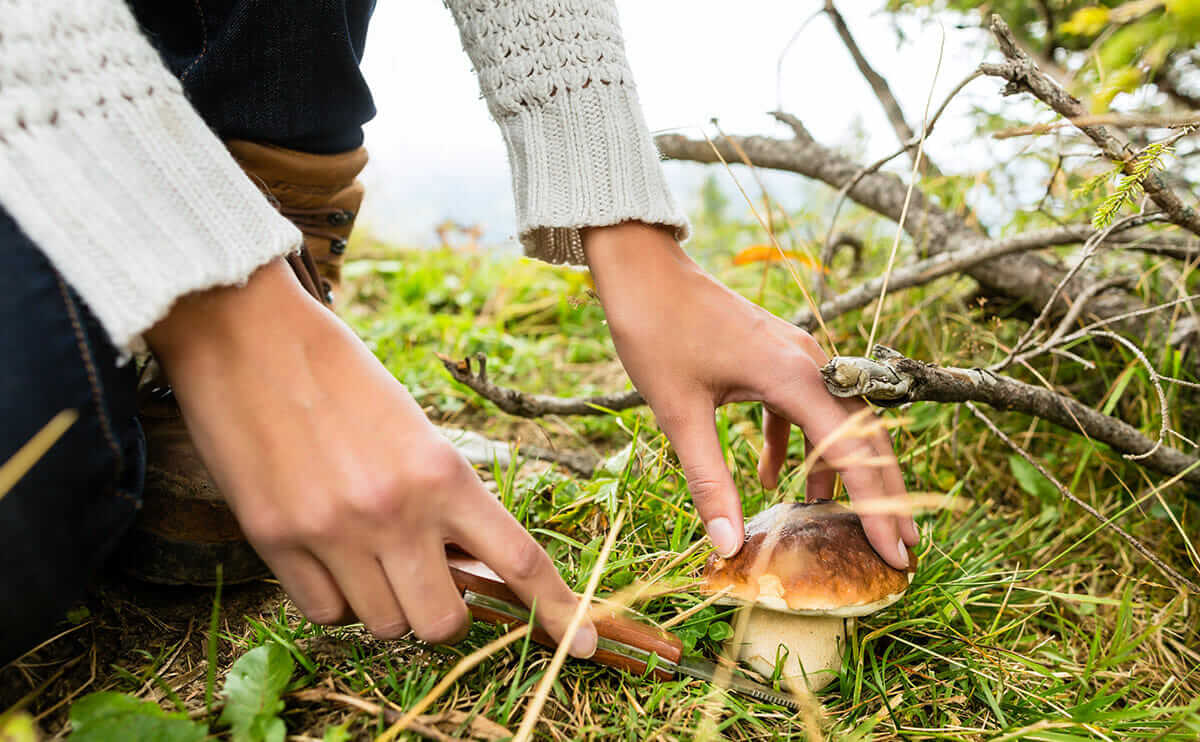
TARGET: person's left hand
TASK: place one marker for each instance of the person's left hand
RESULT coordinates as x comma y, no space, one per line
691,345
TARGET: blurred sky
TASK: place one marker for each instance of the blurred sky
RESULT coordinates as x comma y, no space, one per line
436,154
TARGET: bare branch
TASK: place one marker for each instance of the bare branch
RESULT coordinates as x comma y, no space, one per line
1021,276
797,126
1089,249
1141,548
523,404
1024,76
891,379
959,261
1154,120
883,91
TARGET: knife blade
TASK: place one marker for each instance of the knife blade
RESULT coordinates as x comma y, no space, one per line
623,643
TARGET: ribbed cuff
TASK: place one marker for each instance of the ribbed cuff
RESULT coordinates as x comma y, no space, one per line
136,203
584,159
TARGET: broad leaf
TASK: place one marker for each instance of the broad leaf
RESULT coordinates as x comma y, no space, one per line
115,717
252,694
1031,480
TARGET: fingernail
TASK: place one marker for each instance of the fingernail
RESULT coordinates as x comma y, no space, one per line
720,530
903,551
584,643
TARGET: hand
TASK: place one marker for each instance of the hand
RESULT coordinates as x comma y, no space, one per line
691,345
337,478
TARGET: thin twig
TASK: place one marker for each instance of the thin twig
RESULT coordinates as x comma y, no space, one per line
912,179
1171,573
1090,248
1023,76
844,191
464,665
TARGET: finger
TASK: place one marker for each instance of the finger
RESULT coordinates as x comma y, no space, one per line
493,535
894,487
776,431
841,440
309,585
421,579
821,477
694,436
361,579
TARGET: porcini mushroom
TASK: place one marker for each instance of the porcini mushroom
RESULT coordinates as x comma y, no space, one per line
805,572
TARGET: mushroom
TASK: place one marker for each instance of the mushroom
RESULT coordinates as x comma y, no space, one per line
805,572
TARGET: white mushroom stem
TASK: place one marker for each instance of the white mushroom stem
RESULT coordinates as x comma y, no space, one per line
809,647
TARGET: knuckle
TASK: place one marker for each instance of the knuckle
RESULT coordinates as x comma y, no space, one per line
812,348
439,467
528,560
445,628
702,484
393,628
325,614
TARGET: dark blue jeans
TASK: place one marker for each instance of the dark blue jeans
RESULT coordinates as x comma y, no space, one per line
282,73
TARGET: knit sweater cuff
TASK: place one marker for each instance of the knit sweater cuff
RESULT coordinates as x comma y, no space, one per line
584,159
111,173
138,207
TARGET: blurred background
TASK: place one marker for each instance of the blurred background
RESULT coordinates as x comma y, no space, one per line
436,156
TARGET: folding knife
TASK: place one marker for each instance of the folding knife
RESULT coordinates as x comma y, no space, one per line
623,643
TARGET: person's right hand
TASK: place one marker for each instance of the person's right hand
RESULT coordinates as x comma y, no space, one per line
336,476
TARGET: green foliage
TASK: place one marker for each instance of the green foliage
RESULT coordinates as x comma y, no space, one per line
1130,184
17,727
115,717
253,691
1031,480
339,733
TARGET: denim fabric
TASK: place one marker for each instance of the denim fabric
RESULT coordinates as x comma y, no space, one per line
284,73
60,521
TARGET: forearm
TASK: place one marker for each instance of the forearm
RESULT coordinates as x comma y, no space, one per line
557,82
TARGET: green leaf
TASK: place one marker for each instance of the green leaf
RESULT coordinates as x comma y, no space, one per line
115,717
336,734
719,631
17,727
252,694
1030,479
1086,22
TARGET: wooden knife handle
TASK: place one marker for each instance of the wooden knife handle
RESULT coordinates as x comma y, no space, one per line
471,574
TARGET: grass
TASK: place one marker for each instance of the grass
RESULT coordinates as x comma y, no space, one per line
1024,621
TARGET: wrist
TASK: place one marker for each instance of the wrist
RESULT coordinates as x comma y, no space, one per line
210,323
623,255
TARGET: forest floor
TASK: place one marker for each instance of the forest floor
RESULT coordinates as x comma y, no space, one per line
1026,619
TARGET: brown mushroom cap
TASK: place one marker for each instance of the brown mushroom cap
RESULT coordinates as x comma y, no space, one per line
821,564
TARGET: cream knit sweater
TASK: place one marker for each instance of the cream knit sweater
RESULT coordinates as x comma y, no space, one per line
108,169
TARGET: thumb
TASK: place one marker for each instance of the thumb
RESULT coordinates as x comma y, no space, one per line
694,436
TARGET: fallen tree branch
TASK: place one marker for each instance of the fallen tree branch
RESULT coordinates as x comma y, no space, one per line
1173,574
890,379
1022,276
1023,76
943,264
524,404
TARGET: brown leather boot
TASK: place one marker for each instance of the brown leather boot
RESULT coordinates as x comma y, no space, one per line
185,528
319,193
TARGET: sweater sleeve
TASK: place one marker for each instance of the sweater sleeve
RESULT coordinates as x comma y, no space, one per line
110,171
555,78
